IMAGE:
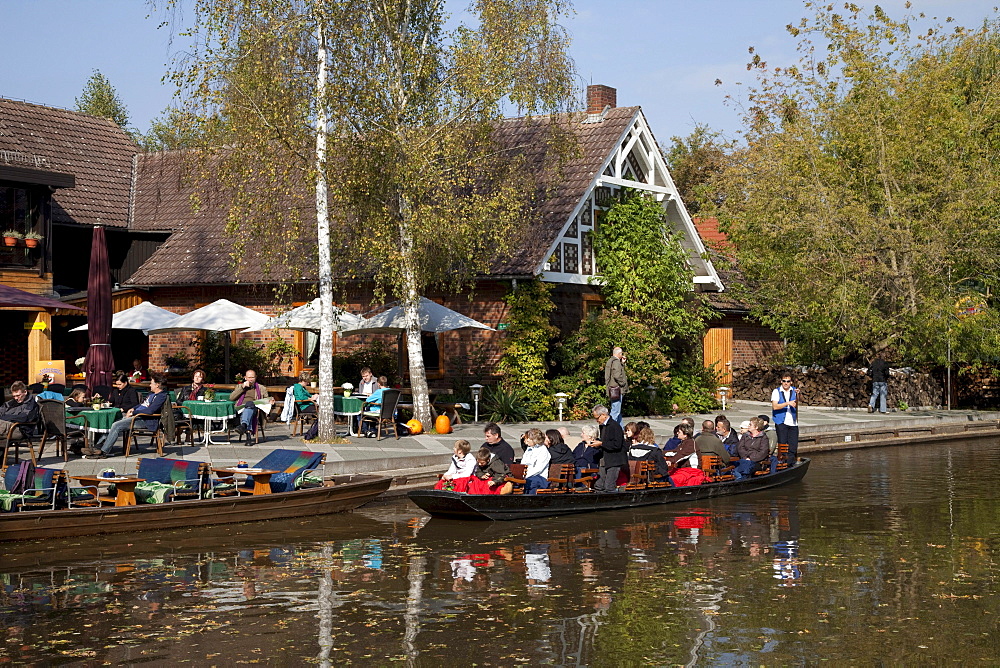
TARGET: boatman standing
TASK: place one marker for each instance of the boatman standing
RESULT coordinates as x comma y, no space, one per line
785,410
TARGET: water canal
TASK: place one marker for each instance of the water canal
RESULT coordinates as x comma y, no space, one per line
880,557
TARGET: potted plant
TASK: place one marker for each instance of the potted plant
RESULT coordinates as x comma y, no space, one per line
176,363
95,401
209,393
32,239
10,237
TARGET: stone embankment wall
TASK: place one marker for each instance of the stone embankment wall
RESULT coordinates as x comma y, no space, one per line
837,386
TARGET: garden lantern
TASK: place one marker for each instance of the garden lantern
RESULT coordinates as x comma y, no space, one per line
723,391
561,398
477,391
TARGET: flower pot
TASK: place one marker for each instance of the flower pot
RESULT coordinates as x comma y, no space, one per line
31,243
10,241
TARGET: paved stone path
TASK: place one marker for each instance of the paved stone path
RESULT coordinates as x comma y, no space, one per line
364,455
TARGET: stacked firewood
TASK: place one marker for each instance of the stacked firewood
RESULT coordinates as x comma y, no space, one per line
836,386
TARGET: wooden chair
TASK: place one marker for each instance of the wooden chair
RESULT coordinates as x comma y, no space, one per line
713,467
183,424
783,458
385,415
639,474
56,427
155,434
516,477
560,479
585,483
300,420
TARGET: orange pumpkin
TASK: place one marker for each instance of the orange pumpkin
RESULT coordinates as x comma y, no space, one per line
442,425
415,426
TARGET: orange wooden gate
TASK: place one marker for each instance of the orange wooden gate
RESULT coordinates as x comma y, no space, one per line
718,347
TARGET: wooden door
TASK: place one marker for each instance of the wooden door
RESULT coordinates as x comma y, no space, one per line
718,347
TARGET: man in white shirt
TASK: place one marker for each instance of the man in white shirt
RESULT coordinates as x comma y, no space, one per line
785,409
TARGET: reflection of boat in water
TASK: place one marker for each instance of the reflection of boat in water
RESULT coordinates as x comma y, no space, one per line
346,492
440,503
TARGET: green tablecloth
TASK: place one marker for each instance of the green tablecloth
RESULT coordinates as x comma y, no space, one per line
347,405
98,421
211,409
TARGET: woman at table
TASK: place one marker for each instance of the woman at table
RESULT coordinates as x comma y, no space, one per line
195,391
77,398
305,401
123,395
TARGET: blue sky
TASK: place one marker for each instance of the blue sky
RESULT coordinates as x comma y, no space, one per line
664,55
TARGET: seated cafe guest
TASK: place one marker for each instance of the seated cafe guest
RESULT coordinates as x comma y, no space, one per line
152,405
462,466
245,394
753,448
537,459
368,384
21,410
372,405
77,398
195,391
137,374
123,395
305,401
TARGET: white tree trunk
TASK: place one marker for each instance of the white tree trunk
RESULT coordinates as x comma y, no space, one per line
411,313
327,430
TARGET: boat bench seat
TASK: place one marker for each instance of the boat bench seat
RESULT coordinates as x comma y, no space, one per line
561,478
714,468
294,468
170,480
39,492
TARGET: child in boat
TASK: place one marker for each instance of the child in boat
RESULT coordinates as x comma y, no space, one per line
460,471
537,459
490,476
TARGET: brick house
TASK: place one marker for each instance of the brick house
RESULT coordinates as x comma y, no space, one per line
177,257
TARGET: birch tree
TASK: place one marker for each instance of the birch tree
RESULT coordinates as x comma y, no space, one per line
419,189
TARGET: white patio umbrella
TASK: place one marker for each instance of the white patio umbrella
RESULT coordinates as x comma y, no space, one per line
433,318
144,316
306,318
221,315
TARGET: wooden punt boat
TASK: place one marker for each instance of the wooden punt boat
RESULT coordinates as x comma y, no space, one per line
453,505
346,492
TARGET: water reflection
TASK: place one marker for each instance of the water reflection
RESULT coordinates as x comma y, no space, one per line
857,563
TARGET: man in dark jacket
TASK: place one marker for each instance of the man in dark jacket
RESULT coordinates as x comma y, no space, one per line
879,371
729,436
614,455
21,410
152,405
496,444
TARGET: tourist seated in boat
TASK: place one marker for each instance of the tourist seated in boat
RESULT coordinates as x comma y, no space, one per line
674,441
709,443
77,398
195,391
151,405
728,435
685,453
645,448
631,431
460,470
768,429
496,445
559,452
490,474
537,459
585,456
123,396
753,448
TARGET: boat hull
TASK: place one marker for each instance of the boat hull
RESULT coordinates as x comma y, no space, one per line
347,493
514,507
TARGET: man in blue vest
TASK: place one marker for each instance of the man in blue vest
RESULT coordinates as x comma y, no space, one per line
785,410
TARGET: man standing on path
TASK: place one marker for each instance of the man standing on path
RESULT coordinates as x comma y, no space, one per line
616,382
879,371
614,456
785,409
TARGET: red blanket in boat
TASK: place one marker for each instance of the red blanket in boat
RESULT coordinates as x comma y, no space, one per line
688,476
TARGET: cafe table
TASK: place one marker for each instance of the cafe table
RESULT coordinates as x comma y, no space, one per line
97,421
209,412
261,477
124,486
349,407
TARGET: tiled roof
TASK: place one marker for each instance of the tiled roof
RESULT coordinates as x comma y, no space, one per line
199,253
94,150
711,235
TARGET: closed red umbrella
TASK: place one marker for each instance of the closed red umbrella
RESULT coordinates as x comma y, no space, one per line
100,363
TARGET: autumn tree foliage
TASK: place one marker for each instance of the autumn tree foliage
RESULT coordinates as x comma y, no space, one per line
863,205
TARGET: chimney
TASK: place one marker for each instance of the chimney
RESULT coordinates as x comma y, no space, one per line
599,97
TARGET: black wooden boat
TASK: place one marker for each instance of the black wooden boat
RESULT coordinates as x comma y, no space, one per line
440,503
345,493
